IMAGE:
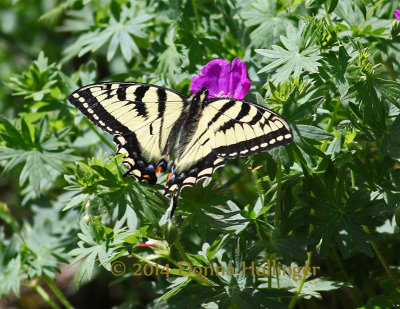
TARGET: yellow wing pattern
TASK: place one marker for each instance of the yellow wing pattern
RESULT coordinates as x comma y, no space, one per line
146,121
226,128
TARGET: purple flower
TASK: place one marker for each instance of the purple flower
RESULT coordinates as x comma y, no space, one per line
222,80
397,14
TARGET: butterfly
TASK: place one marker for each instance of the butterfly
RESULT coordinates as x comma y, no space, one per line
152,124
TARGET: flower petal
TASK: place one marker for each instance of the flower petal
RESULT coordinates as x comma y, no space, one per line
239,84
221,80
397,14
210,77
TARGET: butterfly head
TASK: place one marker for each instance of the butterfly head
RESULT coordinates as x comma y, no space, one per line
199,97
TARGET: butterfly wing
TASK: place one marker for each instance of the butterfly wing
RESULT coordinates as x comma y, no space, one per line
144,119
226,128
242,128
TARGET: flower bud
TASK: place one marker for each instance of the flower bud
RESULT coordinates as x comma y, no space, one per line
395,29
171,233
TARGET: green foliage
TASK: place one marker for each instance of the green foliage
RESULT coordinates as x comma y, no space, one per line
114,26
300,54
325,208
101,245
42,154
270,19
37,82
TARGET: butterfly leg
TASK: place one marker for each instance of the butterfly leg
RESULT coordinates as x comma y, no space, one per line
174,183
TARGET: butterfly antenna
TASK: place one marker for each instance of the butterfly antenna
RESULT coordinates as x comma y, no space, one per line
185,71
230,71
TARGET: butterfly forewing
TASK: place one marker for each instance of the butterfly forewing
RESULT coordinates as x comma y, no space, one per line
144,119
242,128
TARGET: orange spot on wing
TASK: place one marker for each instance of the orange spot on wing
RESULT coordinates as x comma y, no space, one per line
169,176
159,169
147,176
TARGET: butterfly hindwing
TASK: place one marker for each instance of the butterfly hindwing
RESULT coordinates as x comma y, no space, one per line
225,128
145,120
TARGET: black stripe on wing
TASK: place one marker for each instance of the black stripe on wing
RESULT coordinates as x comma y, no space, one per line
202,169
92,108
263,131
260,129
138,165
102,104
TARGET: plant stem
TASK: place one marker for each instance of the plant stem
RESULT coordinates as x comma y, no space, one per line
339,262
162,267
370,13
258,230
303,280
46,297
330,125
353,179
182,252
327,15
101,136
196,12
259,190
57,291
278,193
198,277
260,194
184,223
382,259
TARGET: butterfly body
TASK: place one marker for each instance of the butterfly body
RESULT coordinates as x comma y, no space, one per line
149,121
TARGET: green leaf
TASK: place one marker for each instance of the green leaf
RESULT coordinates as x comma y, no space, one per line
360,4
292,59
311,132
85,271
270,23
311,288
97,244
390,90
171,59
38,82
42,159
332,6
117,31
306,109
77,200
391,140
287,248
10,276
217,244
175,287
